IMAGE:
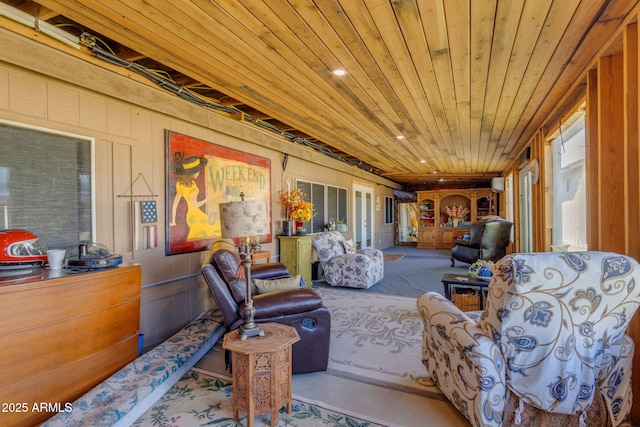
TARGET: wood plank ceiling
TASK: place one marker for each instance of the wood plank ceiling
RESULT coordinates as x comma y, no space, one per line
434,89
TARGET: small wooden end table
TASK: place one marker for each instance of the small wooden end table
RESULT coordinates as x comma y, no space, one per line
452,281
258,255
261,368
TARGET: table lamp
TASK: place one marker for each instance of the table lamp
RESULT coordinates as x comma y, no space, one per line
244,219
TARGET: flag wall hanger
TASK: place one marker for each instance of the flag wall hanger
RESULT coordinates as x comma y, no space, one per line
141,196
143,210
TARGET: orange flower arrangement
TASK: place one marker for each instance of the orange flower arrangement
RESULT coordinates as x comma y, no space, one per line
295,206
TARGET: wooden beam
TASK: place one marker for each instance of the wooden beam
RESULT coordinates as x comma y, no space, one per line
611,203
591,155
632,116
631,153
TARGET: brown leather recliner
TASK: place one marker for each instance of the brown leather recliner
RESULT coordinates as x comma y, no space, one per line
488,240
299,308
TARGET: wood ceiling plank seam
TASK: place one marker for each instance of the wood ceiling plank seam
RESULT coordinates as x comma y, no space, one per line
106,13
353,70
286,64
505,29
365,21
458,17
585,48
482,34
529,30
543,99
427,71
413,79
584,17
421,51
361,64
616,10
552,33
439,54
227,87
550,36
296,55
362,149
369,33
125,29
385,153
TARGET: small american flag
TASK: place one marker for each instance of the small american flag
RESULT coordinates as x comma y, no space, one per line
149,211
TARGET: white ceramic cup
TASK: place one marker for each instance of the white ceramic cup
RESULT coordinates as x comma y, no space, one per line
56,258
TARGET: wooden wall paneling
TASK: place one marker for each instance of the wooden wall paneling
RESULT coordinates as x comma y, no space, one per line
537,195
123,220
546,169
103,194
611,203
592,135
632,68
631,156
515,182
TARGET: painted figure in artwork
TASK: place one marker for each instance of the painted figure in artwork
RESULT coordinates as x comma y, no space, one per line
187,170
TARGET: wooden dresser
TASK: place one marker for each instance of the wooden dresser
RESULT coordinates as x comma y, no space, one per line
61,336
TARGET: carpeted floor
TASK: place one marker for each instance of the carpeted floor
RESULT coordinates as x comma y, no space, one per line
351,381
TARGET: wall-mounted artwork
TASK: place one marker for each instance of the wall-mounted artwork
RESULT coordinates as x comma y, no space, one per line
201,175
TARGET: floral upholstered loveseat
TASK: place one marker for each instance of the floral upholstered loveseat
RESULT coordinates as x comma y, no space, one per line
344,266
549,348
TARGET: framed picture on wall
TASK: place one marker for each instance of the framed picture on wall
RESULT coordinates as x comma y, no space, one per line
200,176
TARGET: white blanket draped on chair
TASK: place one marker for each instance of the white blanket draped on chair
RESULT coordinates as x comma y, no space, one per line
552,336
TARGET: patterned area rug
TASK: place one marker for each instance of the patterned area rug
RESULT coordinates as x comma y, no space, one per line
200,399
377,339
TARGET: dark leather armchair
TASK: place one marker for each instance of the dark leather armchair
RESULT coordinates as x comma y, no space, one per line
488,240
299,308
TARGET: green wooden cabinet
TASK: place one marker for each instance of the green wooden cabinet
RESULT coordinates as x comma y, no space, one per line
295,253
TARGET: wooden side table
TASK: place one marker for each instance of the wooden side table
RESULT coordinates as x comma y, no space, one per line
258,255
453,282
261,369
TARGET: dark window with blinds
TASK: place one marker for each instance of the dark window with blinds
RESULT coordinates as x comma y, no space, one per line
388,210
329,202
45,185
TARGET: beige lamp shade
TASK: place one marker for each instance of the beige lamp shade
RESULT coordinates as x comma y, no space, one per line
243,219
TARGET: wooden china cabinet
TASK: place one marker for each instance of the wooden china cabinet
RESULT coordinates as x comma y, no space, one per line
435,231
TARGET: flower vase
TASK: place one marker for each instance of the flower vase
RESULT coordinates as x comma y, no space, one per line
455,222
299,225
287,227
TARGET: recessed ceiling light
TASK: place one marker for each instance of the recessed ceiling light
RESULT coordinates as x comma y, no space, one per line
402,137
339,72
423,161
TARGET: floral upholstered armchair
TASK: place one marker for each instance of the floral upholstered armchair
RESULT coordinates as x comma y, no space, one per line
550,347
344,266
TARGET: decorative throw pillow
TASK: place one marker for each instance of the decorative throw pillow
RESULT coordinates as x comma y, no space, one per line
266,286
348,246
